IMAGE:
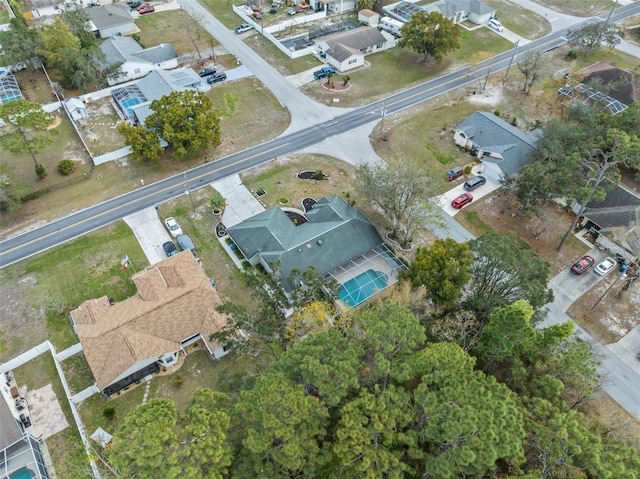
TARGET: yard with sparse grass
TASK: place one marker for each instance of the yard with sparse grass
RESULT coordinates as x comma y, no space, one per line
221,9
520,20
172,27
285,65
400,68
41,291
579,8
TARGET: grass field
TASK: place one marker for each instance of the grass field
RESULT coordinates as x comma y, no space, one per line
579,8
285,65
63,277
519,20
155,30
400,68
221,9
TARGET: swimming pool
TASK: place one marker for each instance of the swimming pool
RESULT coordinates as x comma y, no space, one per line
128,103
362,287
23,473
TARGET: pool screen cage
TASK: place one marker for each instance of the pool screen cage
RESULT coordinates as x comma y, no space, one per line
127,97
380,258
9,89
406,10
333,28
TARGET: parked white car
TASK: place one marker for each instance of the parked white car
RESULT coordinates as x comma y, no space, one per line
606,266
173,226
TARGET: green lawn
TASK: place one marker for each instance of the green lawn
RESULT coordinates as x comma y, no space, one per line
173,27
580,8
87,267
400,68
221,9
519,20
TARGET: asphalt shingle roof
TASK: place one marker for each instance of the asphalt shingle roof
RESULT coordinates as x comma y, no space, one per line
120,49
175,301
493,134
334,234
109,15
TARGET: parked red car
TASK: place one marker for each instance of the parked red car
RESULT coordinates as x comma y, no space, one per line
462,200
582,264
146,9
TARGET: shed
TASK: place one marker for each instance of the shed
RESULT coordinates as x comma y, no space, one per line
76,108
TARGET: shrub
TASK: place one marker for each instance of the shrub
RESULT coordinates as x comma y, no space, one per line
571,55
283,200
109,413
66,167
217,202
467,170
318,175
497,112
41,171
178,381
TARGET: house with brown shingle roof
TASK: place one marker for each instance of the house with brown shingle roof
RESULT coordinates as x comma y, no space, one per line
175,306
346,50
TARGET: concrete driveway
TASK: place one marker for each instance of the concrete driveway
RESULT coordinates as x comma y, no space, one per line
568,287
444,200
150,233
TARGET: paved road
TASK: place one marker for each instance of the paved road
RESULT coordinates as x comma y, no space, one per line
58,231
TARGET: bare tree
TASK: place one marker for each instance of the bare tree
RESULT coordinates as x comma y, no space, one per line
529,66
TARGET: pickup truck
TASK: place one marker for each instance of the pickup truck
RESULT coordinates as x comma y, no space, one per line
323,72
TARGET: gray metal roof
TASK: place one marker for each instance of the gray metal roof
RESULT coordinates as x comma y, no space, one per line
109,15
334,234
494,135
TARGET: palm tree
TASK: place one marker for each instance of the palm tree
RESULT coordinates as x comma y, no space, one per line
218,203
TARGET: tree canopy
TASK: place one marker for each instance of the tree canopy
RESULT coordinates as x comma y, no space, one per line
401,192
186,120
591,36
506,270
20,43
430,34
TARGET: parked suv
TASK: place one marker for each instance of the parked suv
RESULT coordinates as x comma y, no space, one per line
475,182
323,72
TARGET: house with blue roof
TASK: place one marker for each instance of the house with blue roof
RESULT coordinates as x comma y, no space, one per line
502,148
336,239
135,61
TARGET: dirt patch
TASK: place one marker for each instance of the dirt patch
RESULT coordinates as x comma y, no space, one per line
100,129
542,229
24,325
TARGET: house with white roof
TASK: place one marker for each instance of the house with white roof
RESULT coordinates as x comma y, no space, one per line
135,61
475,11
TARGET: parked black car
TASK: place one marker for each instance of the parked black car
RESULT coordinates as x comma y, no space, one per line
134,3
169,248
205,72
217,77
475,182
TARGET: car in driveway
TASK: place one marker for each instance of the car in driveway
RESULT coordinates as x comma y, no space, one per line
606,266
245,27
205,72
292,11
582,264
169,249
473,183
323,72
173,226
216,78
146,9
462,200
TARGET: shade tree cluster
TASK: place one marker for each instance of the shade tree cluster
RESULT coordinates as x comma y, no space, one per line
374,399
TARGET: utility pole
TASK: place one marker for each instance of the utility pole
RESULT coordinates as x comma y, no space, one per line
606,22
620,278
515,48
382,114
186,185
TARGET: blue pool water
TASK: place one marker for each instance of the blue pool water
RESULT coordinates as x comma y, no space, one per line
362,287
128,103
23,473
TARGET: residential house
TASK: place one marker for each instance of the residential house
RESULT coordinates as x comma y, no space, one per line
605,85
134,61
335,6
20,454
617,217
9,88
175,306
134,100
502,148
346,50
337,240
111,19
474,11
76,108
